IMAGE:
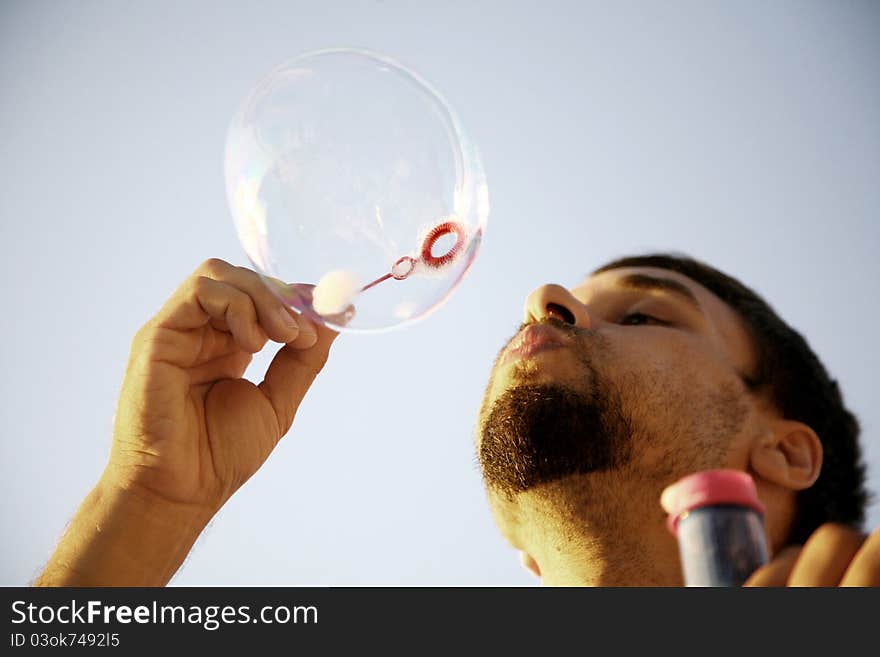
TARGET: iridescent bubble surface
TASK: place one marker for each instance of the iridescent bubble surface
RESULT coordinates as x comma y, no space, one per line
354,190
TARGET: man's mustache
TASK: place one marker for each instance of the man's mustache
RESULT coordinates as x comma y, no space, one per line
556,323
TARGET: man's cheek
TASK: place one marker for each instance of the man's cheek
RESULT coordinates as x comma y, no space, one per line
656,391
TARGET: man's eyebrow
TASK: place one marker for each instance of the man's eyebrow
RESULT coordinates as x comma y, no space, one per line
645,282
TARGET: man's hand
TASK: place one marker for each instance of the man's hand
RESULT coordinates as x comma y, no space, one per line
188,428
189,431
834,555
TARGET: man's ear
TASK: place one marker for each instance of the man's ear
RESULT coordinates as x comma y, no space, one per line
790,455
529,563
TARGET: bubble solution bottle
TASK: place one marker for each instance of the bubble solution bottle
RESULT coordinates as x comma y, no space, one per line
718,521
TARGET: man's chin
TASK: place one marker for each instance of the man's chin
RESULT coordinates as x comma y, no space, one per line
538,433
529,372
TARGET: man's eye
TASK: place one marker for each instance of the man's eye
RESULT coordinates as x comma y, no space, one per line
639,319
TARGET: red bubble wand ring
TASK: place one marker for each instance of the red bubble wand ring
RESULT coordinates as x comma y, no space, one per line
405,266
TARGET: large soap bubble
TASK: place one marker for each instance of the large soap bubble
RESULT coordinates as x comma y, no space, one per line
355,193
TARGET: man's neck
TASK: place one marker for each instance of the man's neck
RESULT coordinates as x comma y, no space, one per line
597,531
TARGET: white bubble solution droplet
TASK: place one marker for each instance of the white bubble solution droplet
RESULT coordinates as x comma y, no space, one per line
335,292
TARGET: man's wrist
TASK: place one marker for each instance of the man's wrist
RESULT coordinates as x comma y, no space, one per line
124,536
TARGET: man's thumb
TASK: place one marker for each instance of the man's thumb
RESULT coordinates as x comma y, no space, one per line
291,373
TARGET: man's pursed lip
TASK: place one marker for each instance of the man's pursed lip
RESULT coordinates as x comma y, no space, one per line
532,340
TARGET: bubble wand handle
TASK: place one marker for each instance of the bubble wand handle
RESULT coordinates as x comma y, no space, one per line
376,282
718,521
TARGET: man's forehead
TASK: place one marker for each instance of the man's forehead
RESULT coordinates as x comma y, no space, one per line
614,279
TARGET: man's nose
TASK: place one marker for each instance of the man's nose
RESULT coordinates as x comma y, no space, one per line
556,301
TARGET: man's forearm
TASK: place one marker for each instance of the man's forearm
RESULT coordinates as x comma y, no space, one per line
123,538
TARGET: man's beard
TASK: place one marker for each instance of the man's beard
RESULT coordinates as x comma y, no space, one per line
539,433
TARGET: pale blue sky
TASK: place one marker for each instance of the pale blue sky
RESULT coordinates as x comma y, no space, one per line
746,134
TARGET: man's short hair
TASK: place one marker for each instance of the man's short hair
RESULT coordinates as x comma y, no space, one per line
799,386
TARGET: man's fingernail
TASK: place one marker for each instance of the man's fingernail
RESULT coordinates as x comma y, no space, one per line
288,319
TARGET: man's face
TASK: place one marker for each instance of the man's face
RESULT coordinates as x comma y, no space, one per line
636,370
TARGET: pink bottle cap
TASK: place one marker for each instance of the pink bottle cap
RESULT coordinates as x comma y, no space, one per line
708,488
